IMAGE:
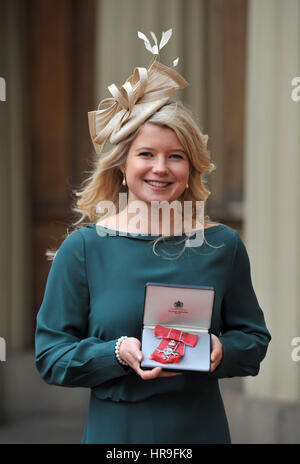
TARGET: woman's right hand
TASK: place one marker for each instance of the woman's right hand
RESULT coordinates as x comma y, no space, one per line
130,352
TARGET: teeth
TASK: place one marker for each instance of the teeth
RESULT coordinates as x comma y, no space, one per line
158,184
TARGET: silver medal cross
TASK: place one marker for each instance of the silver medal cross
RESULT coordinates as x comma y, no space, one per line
170,350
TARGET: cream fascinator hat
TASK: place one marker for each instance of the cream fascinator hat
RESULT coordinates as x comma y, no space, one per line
145,92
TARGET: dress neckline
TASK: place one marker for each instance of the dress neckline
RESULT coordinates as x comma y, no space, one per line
105,231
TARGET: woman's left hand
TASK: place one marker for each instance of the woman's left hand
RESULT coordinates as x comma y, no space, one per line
216,352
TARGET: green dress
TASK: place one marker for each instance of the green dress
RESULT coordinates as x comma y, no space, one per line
95,294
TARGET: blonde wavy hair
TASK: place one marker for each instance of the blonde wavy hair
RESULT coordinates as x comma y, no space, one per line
105,181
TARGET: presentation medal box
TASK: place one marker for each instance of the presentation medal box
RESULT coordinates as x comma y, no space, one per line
176,327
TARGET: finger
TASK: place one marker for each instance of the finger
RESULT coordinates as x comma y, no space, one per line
136,352
215,359
151,374
214,365
215,354
134,357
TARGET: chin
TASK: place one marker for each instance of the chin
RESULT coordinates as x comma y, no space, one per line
159,197
147,195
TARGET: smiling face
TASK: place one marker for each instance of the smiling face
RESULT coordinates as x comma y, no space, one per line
157,167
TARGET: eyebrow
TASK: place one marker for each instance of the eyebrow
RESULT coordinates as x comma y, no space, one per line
150,148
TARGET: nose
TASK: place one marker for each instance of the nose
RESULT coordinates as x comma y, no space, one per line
160,165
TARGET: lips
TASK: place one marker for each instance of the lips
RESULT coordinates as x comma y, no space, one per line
157,185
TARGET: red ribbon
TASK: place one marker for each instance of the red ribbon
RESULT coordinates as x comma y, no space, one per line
171,348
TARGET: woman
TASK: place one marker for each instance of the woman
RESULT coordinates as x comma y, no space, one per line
90,320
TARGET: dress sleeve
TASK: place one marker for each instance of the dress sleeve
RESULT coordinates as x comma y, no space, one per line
65,355
244,334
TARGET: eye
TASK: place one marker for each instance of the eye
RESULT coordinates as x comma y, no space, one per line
177,156
145,153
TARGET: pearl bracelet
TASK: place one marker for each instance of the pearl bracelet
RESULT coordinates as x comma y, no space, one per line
117,347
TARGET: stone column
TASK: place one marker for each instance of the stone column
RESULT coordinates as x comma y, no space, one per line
272,173
14,190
